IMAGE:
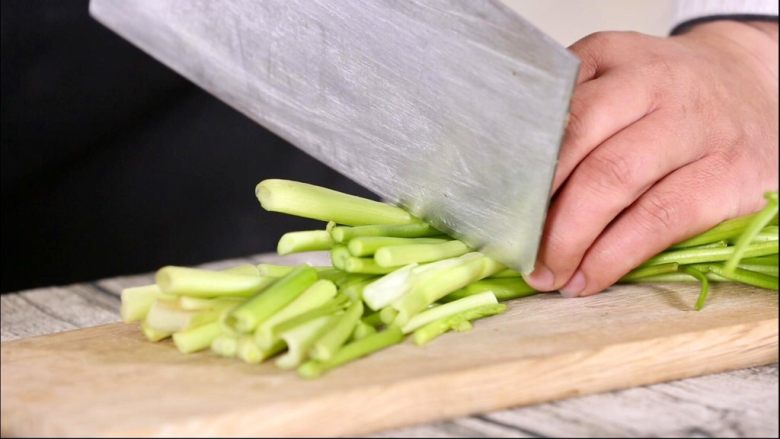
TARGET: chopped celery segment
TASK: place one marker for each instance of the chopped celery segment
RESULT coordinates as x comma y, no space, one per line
459,322
136,302
197,338
300,339
255,311
205,283
352,264
362,330
352,351
448,309
315,202
315,296
394,256
471,268
383,291
368,245
503,288
413,230
334,338
304,241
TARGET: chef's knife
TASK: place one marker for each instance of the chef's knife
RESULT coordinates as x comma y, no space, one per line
454,109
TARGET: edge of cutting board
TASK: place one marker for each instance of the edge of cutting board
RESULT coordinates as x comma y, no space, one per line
471,387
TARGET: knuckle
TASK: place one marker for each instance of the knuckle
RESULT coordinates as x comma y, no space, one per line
658,212
606,171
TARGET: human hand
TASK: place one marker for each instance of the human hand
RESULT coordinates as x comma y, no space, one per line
666,138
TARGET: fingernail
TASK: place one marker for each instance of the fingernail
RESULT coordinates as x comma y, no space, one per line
542,278
575,285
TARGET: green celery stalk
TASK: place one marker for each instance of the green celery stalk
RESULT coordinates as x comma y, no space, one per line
225,345
304,241
769,270
506,273
277,271
413,230
397,255
200,304
673,278
472,267
197,338
368,245
153,334
398,283
205,283
762,260
310,201
362,330
352,351
746,277
459,322
258,309
315,296
743,244
504,288
136,302
352,264
388,288
327,345
332,306
372,319
354,290
723,231
705,285
768,233
249,352
695,256
166,316
300,339
650,270
338,256
449,309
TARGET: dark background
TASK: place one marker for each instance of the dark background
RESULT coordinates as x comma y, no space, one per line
113,164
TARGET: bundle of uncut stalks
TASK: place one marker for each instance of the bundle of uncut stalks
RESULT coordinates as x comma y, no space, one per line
392,276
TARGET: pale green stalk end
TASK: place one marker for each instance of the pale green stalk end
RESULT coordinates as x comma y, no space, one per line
205,283
315,202
153,334
225,345
197,338
304,241
258,309
299,341
459,322
136,302
327,345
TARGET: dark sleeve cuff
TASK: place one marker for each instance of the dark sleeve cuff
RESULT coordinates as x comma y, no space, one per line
686,25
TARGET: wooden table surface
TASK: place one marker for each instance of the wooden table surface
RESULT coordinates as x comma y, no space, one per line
741,403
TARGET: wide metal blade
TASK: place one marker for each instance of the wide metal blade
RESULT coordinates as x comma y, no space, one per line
454,109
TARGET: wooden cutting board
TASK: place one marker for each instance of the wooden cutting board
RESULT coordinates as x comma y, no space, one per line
110,381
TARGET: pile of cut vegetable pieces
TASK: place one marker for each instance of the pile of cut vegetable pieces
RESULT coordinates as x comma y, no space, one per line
392,275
